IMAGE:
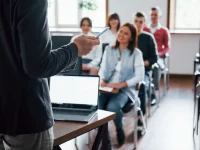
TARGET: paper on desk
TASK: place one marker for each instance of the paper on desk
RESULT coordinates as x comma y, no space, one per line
107,89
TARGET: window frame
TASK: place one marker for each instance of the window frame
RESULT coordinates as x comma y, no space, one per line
172,21
60,26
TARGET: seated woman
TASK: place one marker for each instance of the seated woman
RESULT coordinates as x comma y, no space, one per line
121,69
114,23
92,60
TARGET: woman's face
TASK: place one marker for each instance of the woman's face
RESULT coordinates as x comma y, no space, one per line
85,27
124,35
114,23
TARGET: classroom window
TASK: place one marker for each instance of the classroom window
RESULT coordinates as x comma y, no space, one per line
68,13
184,14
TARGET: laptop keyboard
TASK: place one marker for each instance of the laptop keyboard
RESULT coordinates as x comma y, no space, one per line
71,112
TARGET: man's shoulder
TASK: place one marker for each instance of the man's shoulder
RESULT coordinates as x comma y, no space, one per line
164,29
146,28
147,35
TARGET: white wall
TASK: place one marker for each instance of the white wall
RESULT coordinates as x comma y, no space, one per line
127,8
184,46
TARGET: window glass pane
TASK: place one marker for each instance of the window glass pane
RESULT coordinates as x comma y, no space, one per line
51,13
97,16
67,12
188,14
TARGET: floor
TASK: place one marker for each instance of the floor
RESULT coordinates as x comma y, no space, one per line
169,127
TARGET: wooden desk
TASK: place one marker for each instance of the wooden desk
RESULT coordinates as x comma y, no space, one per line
65,131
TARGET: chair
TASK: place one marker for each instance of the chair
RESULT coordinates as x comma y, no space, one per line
166,73
195,71
137,109
196,115
196,78
196,82
154,85
103,49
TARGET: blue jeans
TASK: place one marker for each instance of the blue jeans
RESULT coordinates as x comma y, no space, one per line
114,103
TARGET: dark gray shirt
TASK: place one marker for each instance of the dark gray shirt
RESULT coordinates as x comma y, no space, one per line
26,60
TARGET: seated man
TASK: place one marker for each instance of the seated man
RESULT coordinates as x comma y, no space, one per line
147,44
161,34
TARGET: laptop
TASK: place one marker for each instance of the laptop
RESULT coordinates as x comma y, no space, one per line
74,98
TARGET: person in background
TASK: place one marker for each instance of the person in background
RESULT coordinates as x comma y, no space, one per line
91,61
147,44
114,24
26,119
162,37
161,34
121,69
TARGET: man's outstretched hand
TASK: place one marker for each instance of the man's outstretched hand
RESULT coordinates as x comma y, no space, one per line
85,44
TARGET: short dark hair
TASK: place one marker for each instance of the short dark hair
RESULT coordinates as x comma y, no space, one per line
87,19
134,37
158,9
140,14
116,17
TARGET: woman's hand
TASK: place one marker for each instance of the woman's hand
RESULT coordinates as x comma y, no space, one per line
103,83
85,67
117,85
115,91
114,85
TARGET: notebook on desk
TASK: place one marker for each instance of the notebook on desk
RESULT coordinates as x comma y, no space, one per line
74,98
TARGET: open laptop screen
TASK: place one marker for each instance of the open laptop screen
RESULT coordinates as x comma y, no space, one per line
74,90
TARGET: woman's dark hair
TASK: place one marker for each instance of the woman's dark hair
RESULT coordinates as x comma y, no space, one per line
114,16
134,37
87,19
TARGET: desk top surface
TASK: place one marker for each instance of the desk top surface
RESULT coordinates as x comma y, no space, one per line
65,131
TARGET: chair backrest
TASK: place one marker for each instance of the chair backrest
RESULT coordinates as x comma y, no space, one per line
60,40
155,76
103,49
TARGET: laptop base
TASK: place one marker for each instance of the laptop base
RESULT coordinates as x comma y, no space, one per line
62,114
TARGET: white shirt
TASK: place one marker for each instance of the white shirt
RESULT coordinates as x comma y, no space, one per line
115,77
95,54
153,29
109,37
